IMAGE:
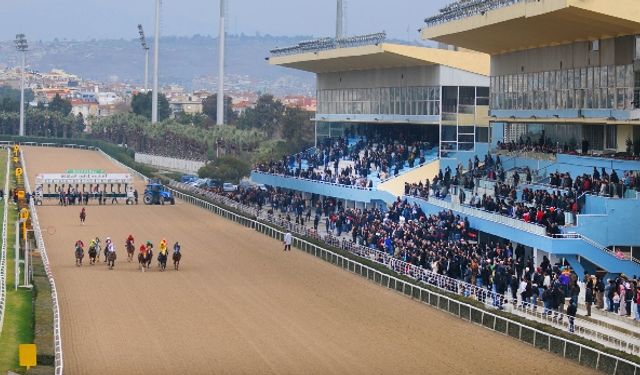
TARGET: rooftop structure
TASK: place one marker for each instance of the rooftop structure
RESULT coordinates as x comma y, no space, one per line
329,57
498,26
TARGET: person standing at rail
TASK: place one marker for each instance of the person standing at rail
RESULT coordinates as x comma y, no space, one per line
287,241
83,216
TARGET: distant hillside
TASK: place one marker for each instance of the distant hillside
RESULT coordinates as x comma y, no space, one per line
188,61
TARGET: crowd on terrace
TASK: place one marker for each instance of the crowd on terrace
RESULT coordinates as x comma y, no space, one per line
542,146
337,161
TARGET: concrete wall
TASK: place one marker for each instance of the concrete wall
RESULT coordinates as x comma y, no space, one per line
396,186
617,225
178,165
397,77
614,51
433,75
455,77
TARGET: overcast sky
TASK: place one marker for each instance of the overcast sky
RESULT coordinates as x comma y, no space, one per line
99,19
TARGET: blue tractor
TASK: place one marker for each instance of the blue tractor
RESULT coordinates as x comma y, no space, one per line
155,193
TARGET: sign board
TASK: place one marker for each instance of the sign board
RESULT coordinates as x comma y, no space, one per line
16,149
84,171
84,178
15,160
18,172
27,354
20,194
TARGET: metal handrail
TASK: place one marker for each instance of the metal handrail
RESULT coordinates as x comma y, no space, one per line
464,9
355,187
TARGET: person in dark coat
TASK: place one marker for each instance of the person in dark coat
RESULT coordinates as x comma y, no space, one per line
571,312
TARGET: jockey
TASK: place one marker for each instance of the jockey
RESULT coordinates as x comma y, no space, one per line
92,244
79,244
130,240
176,248
109,245
163,247
149,247
143,250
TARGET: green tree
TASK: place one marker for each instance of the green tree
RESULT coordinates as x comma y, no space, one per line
266,116
141,105
226,168
195,119
298,129
210,108
58,104
10,98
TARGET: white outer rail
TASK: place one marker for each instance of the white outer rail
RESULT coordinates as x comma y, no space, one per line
3,255
57,333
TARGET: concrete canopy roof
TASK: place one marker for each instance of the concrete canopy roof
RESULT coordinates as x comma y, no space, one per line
383,56
535,24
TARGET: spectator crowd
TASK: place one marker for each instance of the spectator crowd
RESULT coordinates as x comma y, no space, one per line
339,162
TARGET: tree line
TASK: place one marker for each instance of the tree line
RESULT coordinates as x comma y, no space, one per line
266,132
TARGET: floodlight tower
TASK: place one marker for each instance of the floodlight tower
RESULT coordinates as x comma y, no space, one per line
22,47
221,36
156,45
340,20
145,47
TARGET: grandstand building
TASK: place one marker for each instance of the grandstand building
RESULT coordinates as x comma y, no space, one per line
565,75
437,95
563,100
367,88
567,70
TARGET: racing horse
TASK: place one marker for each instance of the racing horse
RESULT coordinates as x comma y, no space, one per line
93,253
131,248
79,255
144,259
111,259
176,259
162,260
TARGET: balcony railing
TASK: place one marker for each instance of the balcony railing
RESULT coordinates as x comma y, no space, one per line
324,44
467,8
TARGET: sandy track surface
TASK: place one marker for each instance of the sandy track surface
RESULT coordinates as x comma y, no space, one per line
239,305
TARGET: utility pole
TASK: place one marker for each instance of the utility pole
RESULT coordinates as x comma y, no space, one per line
221,36
22,47
145,47
156,46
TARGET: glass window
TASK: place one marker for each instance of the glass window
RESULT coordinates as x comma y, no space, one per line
611,135
466,138
449,133
482,134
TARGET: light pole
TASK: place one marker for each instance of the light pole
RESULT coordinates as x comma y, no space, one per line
156,45
22,46
145,47
221,35
340,20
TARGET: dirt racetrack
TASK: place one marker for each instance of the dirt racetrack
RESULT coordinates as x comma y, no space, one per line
239,305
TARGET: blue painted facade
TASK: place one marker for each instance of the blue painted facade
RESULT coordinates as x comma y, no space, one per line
614,222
